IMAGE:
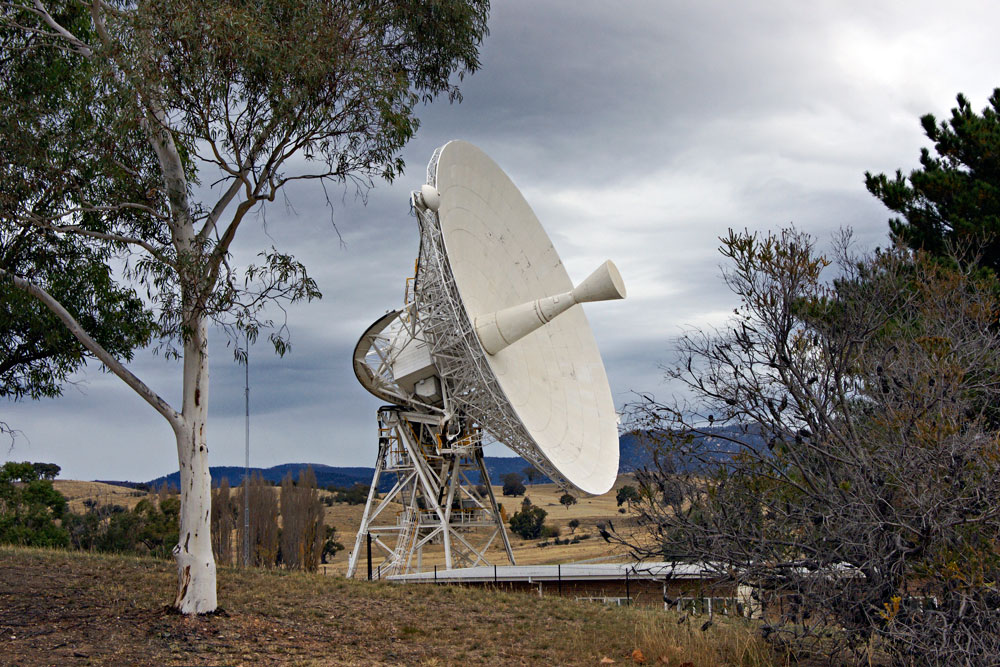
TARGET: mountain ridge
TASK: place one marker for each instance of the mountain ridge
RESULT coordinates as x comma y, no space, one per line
633,455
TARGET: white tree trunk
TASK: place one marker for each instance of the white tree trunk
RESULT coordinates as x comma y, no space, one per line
196,590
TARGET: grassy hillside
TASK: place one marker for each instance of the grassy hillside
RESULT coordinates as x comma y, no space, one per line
100,493
347,518
59,607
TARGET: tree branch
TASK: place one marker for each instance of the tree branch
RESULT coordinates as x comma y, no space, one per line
115,366
78,45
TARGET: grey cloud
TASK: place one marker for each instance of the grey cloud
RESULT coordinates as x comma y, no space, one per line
639,131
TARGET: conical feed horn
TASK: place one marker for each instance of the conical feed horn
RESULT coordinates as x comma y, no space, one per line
501,328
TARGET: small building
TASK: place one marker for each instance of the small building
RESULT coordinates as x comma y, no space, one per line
682,586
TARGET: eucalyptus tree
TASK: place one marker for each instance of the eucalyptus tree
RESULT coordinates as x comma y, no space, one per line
47,122
240,99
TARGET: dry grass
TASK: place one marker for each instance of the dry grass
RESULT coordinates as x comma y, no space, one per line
588,511
347,518
672,639
58,607
103,494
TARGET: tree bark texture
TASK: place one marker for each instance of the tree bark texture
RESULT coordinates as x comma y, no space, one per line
196,589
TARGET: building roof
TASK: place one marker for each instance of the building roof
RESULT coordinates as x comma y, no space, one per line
568,572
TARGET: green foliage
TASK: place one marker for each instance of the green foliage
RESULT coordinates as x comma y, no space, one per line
251,96
953,199
356,494
531,474
330,544
567,499
512,485
528,522
29,508
149,529
51,159
627,495
548,531
159,524
237,90
573,525
46,470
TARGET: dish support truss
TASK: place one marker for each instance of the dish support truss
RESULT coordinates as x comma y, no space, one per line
432,499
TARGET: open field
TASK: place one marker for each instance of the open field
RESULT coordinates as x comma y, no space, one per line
347,518
103,494
588,511
60,607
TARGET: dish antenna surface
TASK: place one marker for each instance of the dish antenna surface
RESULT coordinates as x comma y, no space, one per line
491,343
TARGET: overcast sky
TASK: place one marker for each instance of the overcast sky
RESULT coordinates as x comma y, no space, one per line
639,132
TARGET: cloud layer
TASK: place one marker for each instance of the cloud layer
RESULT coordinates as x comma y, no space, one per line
639,131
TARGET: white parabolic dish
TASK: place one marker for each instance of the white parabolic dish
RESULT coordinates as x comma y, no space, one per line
553,378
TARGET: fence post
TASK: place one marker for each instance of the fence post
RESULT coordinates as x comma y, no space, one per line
369,556
560,578
628,594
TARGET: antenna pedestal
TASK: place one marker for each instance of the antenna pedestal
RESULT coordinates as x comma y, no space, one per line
432,501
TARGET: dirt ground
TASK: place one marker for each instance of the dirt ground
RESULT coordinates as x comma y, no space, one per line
73,608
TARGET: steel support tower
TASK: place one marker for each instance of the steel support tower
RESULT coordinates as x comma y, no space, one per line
432,499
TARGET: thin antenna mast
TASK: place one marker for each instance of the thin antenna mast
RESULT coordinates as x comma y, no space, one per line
246,473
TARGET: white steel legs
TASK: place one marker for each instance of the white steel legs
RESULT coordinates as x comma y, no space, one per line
432,500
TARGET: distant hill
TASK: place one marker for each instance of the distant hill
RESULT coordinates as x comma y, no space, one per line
633,455
498,466
712,449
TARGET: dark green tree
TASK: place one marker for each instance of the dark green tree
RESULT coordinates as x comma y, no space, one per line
149,529
356,494
512,485
953,199
51,160
46,470
528,522
531,474
159,524
29,508
567,499
626,495
331,545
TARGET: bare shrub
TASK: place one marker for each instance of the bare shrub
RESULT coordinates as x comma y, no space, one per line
223,523
838,455
302,533
263,523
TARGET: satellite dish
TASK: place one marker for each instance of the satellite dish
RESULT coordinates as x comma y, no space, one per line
491,338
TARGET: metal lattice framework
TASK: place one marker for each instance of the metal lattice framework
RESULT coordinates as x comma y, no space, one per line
432,500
